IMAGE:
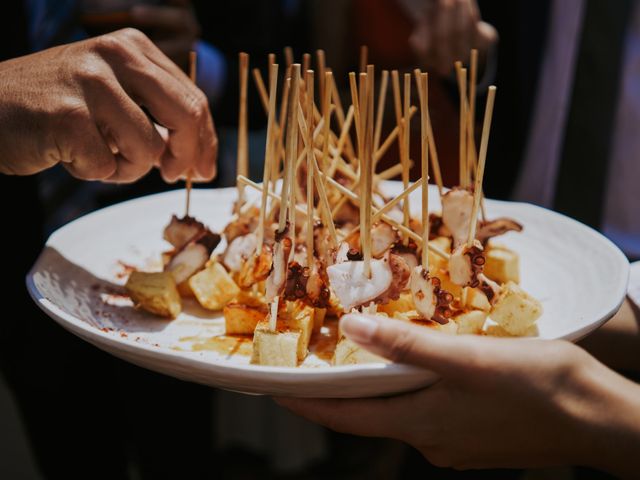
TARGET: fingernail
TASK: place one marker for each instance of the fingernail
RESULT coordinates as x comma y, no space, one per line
359,328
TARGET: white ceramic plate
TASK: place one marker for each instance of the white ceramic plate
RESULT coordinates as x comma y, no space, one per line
580,277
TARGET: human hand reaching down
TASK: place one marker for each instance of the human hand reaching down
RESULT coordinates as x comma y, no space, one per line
499,402
83,105
446,30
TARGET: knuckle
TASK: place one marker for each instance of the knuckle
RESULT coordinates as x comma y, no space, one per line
110,44
198,106
132,34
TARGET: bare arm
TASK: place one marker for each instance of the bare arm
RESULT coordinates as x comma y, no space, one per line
499,402
617,342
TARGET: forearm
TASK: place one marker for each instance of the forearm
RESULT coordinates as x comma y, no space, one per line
617,342
606,410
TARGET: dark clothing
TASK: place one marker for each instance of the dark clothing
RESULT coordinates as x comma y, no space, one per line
87,414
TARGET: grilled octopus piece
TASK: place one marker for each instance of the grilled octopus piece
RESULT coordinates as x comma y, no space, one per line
238,251
277,278
465,264
306,284
256,269
389,277
457,204
431,301
242,225
181,230
494,228
193,256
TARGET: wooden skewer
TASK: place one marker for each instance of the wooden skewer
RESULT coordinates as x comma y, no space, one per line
484,142
424,137
395,133
309,80
268,153
288,56
382,97
386,218
356,107
344,132
367,169
433,153
405,159
295,105
243,149
364,58
321,64
326,115
397,106
291,146
393,171
306,63
462,88
324,203
273,196
396,200
284,107
193,61
473,73
341,118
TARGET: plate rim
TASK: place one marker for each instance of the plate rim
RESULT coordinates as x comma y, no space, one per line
66,319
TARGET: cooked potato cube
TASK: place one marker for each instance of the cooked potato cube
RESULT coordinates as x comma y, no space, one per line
470,322
242,319
289,343
185,290
350,353
515,310
497,331
445,281
318,318
402,304
213,287
155,292
435,261
477,300
502,265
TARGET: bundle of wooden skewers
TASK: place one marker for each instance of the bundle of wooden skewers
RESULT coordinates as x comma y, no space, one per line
323,238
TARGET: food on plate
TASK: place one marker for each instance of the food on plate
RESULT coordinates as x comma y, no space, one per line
322,238
155,292
213,287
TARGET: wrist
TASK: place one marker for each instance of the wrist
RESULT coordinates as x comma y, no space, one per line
603,411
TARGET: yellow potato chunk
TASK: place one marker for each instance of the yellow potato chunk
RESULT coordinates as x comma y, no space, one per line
470,322
350,353
498,331
213,287
155,292
477,300
288,345
402,304
436,261
318,318
515,310
242,319
502,265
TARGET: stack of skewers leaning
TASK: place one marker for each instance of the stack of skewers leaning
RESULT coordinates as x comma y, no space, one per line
323,239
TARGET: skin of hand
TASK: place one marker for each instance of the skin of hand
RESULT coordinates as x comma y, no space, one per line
173,27
82,105
499,402
617,342
447,30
